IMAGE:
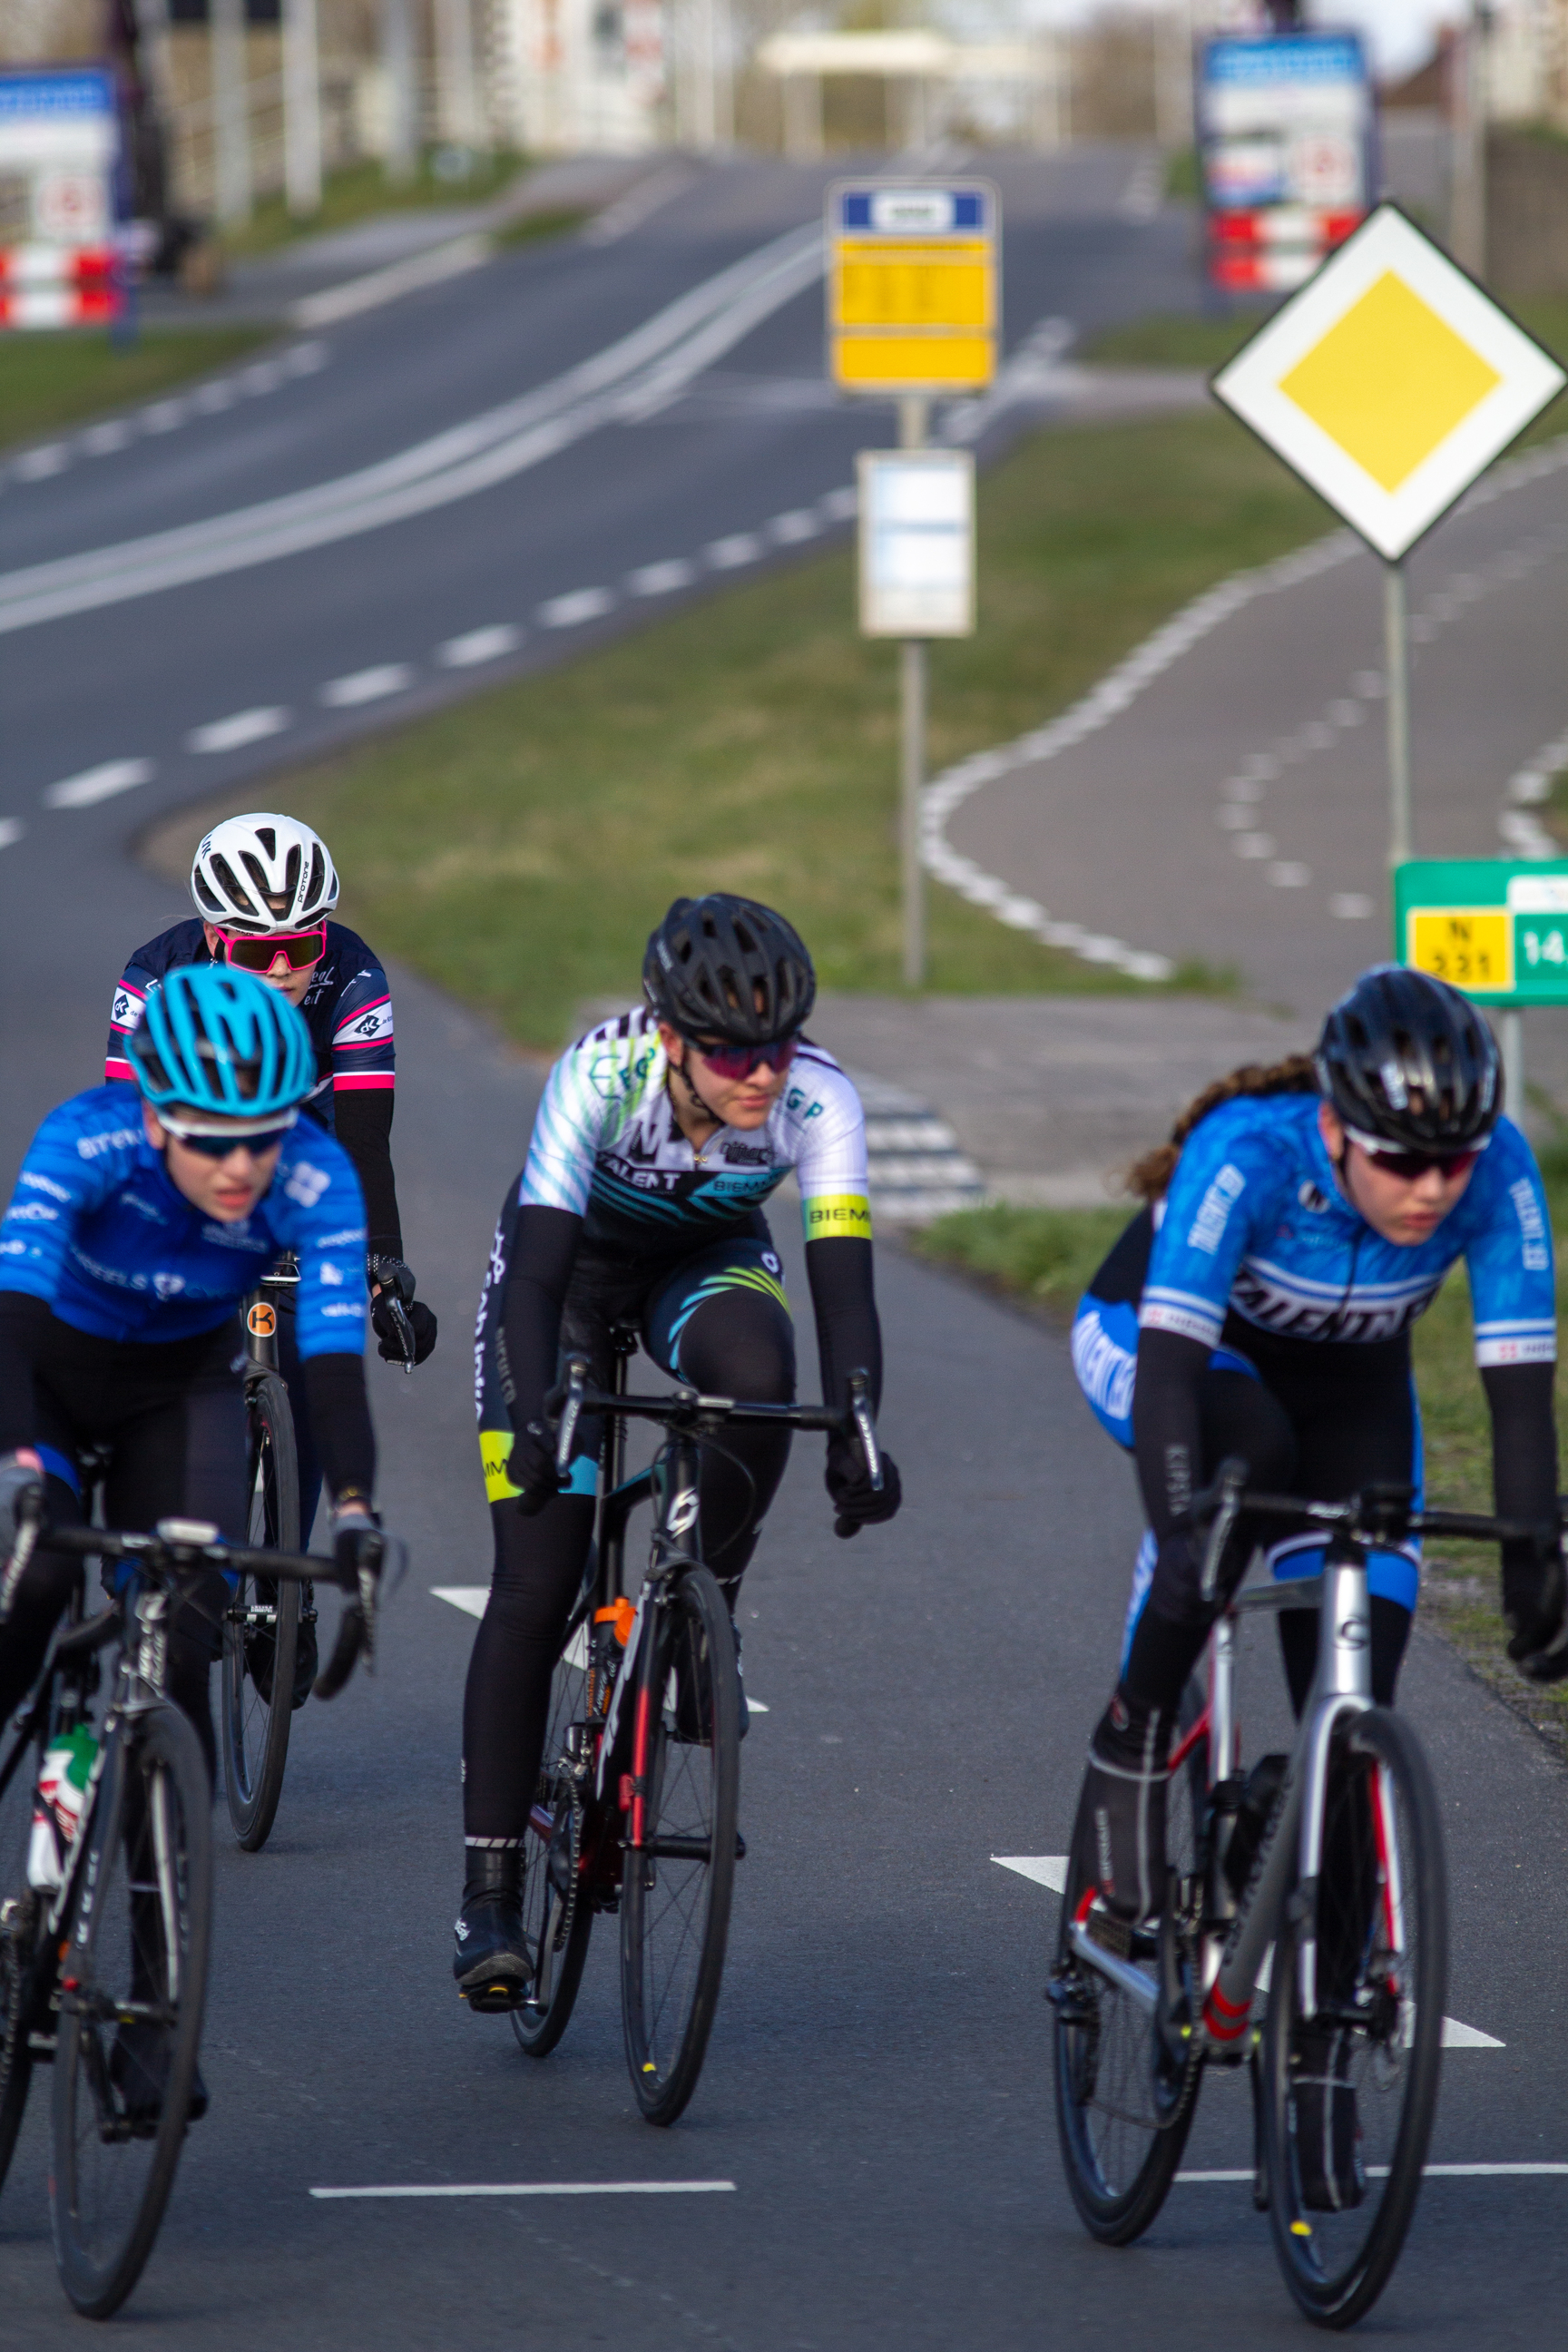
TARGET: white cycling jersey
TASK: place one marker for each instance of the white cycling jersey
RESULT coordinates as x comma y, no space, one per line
606,1147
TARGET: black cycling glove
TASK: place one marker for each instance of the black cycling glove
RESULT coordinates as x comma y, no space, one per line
17,1480
1535,1604
532,1467
396,1281
856,1502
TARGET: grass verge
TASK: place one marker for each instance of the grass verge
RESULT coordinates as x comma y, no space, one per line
518,847
362,189
50,381
1201,339
1043,1258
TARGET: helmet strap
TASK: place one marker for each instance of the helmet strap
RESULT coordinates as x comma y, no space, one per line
684,1075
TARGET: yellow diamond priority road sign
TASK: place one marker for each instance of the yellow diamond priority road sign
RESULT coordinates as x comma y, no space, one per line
1390,382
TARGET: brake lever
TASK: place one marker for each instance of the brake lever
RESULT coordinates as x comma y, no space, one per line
866,1427
357,1626
403,1329
1230,1479
29,1519
571,1412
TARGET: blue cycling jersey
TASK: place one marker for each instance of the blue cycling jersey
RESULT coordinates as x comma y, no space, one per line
1255,1223
97,1228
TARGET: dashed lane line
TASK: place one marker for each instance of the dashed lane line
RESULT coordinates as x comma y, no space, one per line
477,646
1050,1870
11,831
100,784
244,727
47,459
471,1598
367,686
545,2188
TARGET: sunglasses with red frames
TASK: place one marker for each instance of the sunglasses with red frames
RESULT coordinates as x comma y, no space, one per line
734,1062
1410,1166
259,951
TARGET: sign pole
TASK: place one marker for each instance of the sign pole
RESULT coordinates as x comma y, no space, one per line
914,413
1396,661
1513,1064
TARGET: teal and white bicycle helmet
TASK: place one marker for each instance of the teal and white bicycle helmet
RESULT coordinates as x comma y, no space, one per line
223,1045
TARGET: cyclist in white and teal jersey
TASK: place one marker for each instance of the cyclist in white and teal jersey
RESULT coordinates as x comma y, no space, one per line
660,1136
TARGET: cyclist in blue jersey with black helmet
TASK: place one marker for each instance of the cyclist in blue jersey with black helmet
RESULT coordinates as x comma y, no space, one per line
134,1230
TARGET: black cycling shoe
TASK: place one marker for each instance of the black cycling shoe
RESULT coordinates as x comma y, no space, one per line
1124,1800
138,2069
1328,2130
492,1962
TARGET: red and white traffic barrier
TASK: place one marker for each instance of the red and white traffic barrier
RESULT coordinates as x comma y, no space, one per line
59,285
1275,248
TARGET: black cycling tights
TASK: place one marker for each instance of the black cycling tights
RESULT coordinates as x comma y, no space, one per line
173,1417
738,1344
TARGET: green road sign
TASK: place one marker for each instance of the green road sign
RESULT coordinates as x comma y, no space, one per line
1498,931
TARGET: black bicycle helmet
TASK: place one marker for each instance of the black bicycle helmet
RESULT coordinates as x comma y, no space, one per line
1408,1061
724,967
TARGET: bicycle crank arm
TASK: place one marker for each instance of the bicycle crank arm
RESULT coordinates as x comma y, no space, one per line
1118,1972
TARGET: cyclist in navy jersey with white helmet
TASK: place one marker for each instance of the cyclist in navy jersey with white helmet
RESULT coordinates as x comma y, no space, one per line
1300,1220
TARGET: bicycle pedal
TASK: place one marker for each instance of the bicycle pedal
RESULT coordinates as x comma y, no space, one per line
495,1999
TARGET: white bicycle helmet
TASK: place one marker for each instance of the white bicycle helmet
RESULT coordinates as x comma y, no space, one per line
263,873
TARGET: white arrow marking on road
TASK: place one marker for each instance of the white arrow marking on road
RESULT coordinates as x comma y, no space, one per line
244,727
1051,1870
552,2188
11,831
477,646
96,785
651,365
471,1598
367,686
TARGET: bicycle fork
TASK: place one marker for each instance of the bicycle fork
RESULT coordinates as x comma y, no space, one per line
677,1516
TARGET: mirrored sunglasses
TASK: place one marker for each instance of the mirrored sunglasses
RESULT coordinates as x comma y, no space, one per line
733,1062
259,950
1410,1166
219,1144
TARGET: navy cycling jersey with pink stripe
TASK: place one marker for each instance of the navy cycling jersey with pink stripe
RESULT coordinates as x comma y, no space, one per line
347,1008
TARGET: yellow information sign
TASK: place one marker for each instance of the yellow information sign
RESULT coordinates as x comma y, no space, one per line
1390,382
1469,947
911,286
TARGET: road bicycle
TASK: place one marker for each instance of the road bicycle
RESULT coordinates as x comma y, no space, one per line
1313,1886
261,1632
106,1870
638,1793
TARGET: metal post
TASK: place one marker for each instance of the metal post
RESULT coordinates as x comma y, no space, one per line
913,414
402,95
1513,1064
1396,661
1467,148
231,111
302,108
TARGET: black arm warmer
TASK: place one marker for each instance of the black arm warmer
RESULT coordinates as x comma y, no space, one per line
339,1422
1166,1427
1525,1447
22,1321
545,1249
849,1336
362,1117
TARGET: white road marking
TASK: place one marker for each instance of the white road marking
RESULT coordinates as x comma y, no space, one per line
212,399
644,371
244,727
1255,844
379,286
38,464
164,415
367,686
477,646
841,506
96,785
1289,874
1350,905
659,578
728,554
102,440
550,2188
578,605
629,211
1430,2171
11,831
1050,1870
790,529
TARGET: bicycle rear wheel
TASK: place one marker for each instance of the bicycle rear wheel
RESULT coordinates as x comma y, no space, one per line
1124,2104
261,1631
557,1910
133,1981
1360,2073
675,1901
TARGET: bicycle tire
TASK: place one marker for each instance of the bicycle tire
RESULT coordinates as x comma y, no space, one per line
557,1917
137,1932
1337,2264
256,1729
1121,2140
675,1906
18,1980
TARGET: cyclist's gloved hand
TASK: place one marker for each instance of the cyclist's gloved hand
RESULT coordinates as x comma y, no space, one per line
19,1475
1535,1603
532,1467
854,1501
357,1538
396,1280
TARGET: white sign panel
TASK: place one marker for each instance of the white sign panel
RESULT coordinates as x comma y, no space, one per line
917,542
1390,382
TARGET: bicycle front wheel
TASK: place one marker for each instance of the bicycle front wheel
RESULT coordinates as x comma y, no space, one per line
681,1852
1124,2103
1351,2062
261,1632
557,1909
134,1980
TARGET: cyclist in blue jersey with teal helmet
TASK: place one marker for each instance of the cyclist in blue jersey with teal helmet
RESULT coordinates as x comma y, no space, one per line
134,1231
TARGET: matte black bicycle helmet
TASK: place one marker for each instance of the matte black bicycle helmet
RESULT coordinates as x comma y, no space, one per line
724,967
1408,1060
